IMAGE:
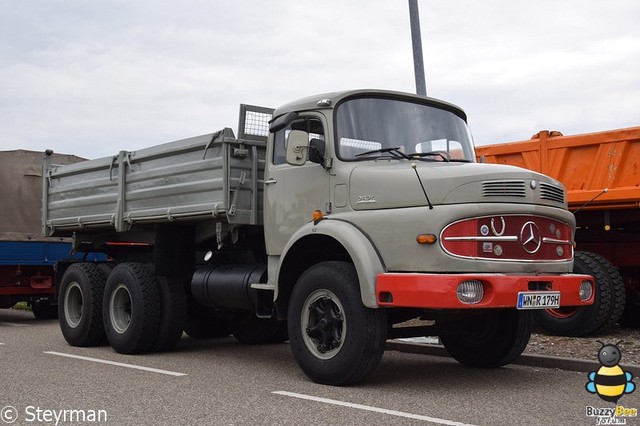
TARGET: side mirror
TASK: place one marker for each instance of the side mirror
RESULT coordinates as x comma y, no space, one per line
316,151
297,145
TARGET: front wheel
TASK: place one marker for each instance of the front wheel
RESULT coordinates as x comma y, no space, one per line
335,339
489,339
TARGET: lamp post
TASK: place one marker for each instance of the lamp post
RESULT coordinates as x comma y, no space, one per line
416,40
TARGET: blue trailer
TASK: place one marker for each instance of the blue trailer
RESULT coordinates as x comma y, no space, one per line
27,271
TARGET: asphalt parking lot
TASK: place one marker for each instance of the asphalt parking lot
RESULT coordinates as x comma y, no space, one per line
220,381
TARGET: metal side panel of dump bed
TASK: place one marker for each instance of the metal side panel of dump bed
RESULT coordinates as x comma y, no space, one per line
200,178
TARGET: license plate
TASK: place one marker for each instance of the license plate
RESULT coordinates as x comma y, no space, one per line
538,299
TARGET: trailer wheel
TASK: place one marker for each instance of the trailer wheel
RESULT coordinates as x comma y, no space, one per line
131,308
173,308
252,330
618,291
492,339
44,309
335,339
581,321
80,305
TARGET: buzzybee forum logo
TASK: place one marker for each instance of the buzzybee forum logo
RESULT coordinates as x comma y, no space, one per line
610,382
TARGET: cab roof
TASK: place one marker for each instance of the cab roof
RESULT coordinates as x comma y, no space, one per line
331,99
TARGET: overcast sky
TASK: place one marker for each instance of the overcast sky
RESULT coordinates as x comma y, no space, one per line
92,77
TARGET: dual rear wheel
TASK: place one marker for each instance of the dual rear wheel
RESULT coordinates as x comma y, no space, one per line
128,307
136,312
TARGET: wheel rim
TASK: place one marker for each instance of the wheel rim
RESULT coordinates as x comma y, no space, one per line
73,300
324,326
562,313
120,309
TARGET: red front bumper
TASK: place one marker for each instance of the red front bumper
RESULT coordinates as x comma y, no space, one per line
438,291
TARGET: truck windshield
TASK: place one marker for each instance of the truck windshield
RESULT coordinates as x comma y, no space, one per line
369,128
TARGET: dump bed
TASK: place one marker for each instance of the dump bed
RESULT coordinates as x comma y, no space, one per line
214,176
586,164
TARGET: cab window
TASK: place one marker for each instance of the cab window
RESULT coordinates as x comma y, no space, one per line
312,126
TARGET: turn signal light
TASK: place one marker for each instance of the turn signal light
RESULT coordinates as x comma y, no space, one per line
317,216
426,239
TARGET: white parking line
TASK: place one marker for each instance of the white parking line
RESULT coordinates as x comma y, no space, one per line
118,364
369,408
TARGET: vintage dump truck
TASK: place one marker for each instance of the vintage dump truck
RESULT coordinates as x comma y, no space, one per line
26,257
331,222
601,174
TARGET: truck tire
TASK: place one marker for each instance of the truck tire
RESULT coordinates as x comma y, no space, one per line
492,339
44,310
586,320
173,308
335,339
80,305
618,291
131,308
252,330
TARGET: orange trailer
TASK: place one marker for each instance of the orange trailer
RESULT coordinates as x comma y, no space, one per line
601,172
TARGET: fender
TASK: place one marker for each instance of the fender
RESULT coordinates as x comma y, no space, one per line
366,259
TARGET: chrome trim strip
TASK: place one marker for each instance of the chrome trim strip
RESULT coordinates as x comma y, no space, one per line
555,241
508,238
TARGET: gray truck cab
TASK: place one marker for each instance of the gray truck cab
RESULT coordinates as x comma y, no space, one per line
383,188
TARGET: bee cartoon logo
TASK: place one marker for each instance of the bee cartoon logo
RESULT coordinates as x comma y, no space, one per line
610,382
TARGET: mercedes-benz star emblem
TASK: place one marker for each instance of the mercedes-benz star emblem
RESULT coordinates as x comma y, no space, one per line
530,237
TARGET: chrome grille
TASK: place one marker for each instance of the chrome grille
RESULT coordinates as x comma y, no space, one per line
503,188
551,192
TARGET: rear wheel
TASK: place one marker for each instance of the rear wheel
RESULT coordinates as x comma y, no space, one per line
80,305
490,339
173,308
581,321
131,308
335,339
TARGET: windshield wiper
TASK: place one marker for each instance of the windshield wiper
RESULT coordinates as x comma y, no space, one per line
395,151
445,156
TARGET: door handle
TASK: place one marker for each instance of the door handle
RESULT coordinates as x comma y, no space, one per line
270,181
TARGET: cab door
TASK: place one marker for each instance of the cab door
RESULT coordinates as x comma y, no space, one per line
293,193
